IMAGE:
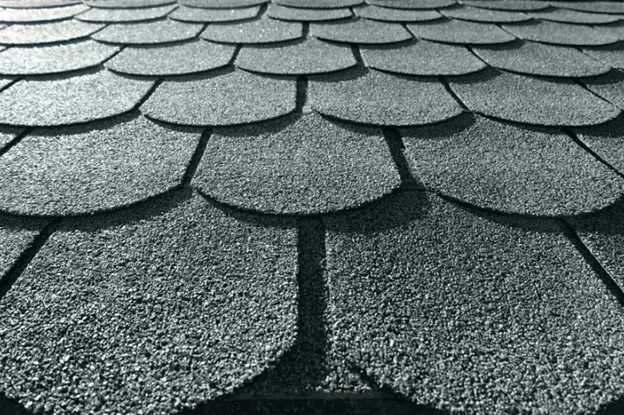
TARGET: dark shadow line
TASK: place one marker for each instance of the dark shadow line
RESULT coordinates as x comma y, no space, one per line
196,158
584,146
15,140
452,93
7,281
593,262
395,144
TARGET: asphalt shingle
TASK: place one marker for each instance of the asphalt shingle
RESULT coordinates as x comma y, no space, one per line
35,4
236,98
543,60
190,14
510,169
187,58
613,7
15,238
413,4
149,314
479,15
222,4
150,33
49,14
396,15
560,34
297,166
319,4
54,59
609,86
70,100
305,58
422,58
377,98
461,32
8,134
127,4
72,172
573,16
513,323
531,100
39,34
279,12
366,32
125,15
513,5
254,32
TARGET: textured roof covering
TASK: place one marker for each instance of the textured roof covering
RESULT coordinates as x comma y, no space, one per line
311,206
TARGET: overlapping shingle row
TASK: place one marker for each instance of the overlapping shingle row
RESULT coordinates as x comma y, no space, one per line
222,198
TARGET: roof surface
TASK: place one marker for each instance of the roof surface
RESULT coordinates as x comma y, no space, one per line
311,206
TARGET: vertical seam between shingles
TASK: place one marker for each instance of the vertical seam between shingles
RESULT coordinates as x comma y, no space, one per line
452,93
14,141
584,146
395,144
26,257
592,261
198,154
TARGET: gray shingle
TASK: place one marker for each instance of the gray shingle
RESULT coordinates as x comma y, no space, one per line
73,100
531,100
39,34
396,15
297,166
125,15
78,171
187,58
236,98
461,32
543,60
162,31
254,32
511,169
367,32
308,57
561,34
222,4
422,58
15,237
378,98
190,14
573,16
127,4
319,4
276,11
612,55
592,6
452,310
54,59
413,4
113,304
476,14
514,5
48,14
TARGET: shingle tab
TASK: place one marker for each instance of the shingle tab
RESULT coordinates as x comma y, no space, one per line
396,15
71,172
15,238
276,11
254,32
162,31
572,16
461,32
127,4
592,6
36,4
235,98
308,57
378,98
609,86
190,14
187,58
413,4
531,100
475,14
39,34
319,4
561,34
48,14
368,32
73,100
612,30
54,59
464,314
422,58
512,169
222,4
514,5
544,60
114,305
303,166
125,15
